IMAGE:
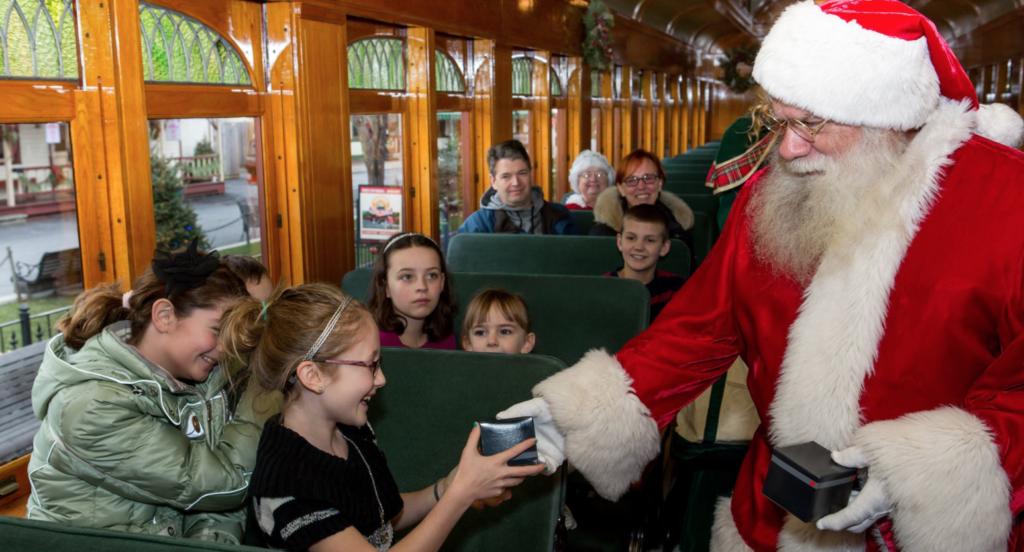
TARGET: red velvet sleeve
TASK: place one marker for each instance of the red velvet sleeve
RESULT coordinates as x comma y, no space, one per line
695,338
997,397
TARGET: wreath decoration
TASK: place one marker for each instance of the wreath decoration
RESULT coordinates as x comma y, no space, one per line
597,39
739,66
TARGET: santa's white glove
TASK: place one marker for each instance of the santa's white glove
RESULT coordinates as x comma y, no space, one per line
550,443
866,507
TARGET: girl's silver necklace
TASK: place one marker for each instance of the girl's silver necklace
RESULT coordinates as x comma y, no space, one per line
382,538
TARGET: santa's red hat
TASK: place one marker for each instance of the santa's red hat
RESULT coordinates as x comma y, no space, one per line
875,63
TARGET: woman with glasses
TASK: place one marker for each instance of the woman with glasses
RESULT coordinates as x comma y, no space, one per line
591,173
639,180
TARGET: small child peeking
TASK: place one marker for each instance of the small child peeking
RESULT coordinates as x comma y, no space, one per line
498,321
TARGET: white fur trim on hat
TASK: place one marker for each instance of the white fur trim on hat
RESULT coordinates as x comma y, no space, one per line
609,434
1000,123
840,71
945,481
585,160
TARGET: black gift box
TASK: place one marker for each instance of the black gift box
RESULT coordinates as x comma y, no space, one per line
805,481
500,435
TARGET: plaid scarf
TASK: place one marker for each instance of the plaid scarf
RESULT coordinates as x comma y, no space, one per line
734,172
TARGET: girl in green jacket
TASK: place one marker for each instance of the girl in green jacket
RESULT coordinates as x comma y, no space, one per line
320,482
136,434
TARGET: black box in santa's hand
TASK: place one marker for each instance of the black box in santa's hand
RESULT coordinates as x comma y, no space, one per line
805,481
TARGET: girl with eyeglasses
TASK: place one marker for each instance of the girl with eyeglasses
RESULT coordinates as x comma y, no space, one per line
639,180
320,482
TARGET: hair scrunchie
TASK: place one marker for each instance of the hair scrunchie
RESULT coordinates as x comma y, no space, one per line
185,270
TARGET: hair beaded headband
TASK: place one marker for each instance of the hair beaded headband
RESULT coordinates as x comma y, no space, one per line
320,340
401,237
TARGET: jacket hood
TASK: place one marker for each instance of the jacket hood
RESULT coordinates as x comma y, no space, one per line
107,356
491,200
608,209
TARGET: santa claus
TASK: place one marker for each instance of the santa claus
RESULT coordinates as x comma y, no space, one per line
872,280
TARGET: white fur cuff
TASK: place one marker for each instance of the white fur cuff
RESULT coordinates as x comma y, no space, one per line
945,481
609,434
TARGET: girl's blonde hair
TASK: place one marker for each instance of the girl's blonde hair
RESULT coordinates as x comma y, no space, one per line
511,305
273,339
101,306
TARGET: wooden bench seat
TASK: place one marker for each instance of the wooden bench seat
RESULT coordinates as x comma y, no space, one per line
18,424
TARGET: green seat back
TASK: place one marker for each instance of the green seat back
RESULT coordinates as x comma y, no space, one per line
30,536
569,255
569,314
703,236
700,203
584,219
423,416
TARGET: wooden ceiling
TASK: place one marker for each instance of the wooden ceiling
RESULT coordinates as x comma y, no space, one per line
975,28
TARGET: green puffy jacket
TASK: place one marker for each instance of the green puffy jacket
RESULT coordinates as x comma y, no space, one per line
124,445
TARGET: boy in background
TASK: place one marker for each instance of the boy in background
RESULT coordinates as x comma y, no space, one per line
643,241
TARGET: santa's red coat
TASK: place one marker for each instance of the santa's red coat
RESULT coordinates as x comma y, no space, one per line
907,344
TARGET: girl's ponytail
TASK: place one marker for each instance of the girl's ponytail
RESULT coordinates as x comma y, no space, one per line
241,328
93,310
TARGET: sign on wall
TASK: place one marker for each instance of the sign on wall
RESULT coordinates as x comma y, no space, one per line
380,212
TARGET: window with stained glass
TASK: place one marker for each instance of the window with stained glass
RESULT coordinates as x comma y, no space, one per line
617,83
556,84
447,74
37,39
522,76
595,83
376,63
179,49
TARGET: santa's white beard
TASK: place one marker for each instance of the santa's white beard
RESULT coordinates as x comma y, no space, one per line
804,208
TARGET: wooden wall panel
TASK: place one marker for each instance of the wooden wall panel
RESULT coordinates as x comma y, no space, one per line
607,137
540,138
492,108
421,125
325,189
675,131
626,144
647,111
281,142
579,112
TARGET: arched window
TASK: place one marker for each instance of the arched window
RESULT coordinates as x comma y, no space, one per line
556,84
522,76
447,75
37,39
376,63
177,48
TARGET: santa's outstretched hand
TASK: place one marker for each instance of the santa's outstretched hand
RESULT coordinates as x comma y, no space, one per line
866,507
550,443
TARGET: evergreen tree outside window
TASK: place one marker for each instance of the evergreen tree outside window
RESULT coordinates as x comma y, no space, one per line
179,49
447,74
37,40
376,63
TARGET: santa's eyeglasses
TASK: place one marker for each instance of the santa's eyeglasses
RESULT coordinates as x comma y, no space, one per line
802,129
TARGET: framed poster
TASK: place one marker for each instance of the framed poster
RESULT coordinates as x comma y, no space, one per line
380,212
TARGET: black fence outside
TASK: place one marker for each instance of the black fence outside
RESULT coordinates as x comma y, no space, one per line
30,327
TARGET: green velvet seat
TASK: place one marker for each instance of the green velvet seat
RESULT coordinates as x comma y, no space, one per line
23,535
569,314
584,219
568,255
703,236
700,203
423,416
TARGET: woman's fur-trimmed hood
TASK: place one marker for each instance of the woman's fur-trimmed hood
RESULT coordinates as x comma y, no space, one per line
608,209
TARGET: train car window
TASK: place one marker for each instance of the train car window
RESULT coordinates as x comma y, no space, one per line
178,48
451,173
377,182
206,185
41,260
37,40
522,76
447,74
376,63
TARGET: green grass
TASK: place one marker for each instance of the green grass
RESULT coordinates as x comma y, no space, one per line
252,250
9,312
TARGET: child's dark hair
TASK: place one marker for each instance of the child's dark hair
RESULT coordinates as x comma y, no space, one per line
274,338
511,305
649,214
101,306
441,323
247,268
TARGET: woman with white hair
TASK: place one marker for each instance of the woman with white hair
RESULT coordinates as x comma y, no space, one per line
590,174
